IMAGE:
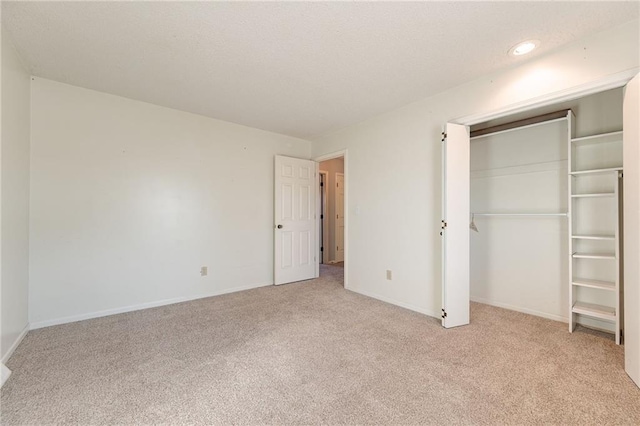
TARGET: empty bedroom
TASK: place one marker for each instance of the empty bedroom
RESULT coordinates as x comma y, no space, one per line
319,212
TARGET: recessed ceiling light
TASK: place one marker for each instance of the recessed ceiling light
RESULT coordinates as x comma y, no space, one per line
524,47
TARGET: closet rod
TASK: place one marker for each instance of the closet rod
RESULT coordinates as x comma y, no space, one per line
521,124
520,214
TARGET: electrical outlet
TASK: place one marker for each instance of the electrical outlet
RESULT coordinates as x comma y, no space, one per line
389,275
204,271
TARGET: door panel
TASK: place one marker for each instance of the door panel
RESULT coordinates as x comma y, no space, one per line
295,231
286,249
631,182
455,227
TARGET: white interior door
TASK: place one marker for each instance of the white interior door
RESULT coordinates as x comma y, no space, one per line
339,217
631,191
455,225
295,227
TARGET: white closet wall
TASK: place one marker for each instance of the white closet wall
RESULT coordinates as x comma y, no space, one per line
521,263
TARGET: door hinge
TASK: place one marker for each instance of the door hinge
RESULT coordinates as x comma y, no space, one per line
444,313
321,248
321,183
444,225
444,136
337,216
321,216
337,248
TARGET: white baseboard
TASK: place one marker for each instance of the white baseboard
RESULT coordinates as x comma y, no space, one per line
546,315
15,344
4,374
138,307
395,302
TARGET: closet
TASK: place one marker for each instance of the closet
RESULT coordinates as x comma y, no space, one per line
545,203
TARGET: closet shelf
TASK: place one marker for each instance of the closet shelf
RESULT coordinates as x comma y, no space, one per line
595,195
596,311
520,214
595,171
603,285
594,255
593,237
595,161
601,138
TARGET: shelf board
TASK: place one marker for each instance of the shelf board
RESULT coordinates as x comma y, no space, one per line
603,285
593,237
520,214
594,255
596,171
595,195
601,138
595,311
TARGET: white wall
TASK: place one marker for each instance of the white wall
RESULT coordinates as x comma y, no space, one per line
15,198
394,164
129,200
333,166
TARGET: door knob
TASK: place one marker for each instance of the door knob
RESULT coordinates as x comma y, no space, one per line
279,226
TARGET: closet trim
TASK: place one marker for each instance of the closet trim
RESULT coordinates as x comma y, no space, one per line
598,85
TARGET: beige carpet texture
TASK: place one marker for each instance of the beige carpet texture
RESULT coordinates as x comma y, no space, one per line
315,353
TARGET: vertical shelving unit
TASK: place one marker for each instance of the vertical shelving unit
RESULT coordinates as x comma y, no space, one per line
595,178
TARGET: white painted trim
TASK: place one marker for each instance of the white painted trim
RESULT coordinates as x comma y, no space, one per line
331,156
323,192
612,81
317,221
519,309
396,303
15,344
4,374
138,307
345,154
335,220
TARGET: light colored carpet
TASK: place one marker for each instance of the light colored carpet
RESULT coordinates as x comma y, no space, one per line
312,353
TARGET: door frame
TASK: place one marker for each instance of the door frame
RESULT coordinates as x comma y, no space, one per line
335,220
343,153
324,231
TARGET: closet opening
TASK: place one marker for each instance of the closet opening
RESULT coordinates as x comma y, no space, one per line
546,213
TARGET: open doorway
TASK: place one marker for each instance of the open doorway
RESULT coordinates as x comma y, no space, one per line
332,207
332,211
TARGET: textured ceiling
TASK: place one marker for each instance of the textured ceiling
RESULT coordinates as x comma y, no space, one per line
301,69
